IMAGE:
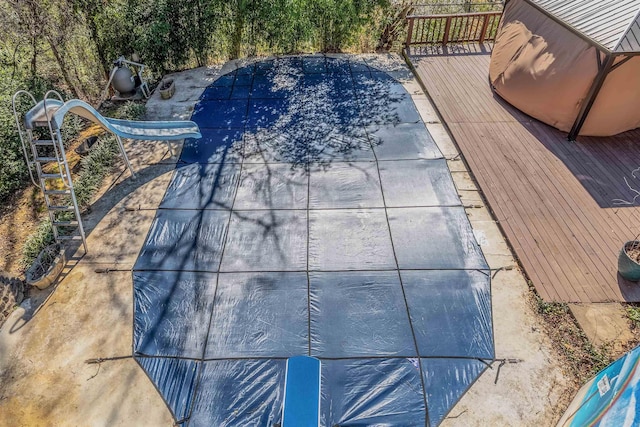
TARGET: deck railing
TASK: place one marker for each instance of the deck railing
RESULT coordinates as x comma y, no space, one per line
456,28
443,7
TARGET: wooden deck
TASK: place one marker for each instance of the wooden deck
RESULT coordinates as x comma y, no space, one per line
554,199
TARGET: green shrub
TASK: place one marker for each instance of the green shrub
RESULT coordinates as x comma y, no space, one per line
41,238
94,167
71,128
633,313
13,172
130,110
175,34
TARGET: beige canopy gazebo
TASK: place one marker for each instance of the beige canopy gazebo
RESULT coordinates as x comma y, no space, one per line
572,64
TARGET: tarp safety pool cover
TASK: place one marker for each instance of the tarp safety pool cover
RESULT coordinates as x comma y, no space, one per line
315,216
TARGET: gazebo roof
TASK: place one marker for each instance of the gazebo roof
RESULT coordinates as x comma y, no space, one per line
612,24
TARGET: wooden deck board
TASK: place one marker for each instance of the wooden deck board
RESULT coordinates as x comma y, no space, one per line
554,199
537,223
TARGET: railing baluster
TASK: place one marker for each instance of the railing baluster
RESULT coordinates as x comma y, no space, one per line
467,27
410,31
495,22
447,27
432,31
474,34
484,28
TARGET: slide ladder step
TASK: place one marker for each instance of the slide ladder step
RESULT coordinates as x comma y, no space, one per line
52,176
43,142
57,192
65,223
46,159
61,208
70,237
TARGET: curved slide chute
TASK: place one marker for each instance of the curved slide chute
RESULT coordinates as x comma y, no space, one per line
144,130
49,113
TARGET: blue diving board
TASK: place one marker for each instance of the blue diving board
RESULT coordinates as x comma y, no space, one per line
301,406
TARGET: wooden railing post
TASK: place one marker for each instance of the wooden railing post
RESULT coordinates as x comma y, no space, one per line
410,31
484,28
447,27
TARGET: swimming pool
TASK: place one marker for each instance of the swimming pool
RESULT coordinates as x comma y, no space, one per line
315,216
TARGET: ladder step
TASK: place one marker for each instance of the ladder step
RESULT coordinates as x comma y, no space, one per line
45,142
70,237
65,223
61,208
56,192
46,159
52,176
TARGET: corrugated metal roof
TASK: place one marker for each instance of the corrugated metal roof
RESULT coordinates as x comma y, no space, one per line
614,24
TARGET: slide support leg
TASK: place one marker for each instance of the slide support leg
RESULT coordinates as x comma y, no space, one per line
124,156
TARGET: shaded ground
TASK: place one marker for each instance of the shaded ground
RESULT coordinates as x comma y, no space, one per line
12,292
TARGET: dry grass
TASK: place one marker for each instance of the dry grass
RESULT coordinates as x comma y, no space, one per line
580,358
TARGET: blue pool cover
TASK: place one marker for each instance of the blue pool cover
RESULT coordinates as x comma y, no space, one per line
316,217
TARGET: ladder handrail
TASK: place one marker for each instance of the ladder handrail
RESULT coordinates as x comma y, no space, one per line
20,131
61,155
59,143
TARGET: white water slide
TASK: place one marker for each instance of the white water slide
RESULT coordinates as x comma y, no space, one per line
49,114
55,110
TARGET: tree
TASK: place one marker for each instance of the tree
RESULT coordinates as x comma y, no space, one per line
51,23
90,10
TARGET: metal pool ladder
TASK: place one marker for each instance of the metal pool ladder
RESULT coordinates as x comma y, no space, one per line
55,182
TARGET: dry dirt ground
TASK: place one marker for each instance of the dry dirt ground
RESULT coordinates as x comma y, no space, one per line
19,217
